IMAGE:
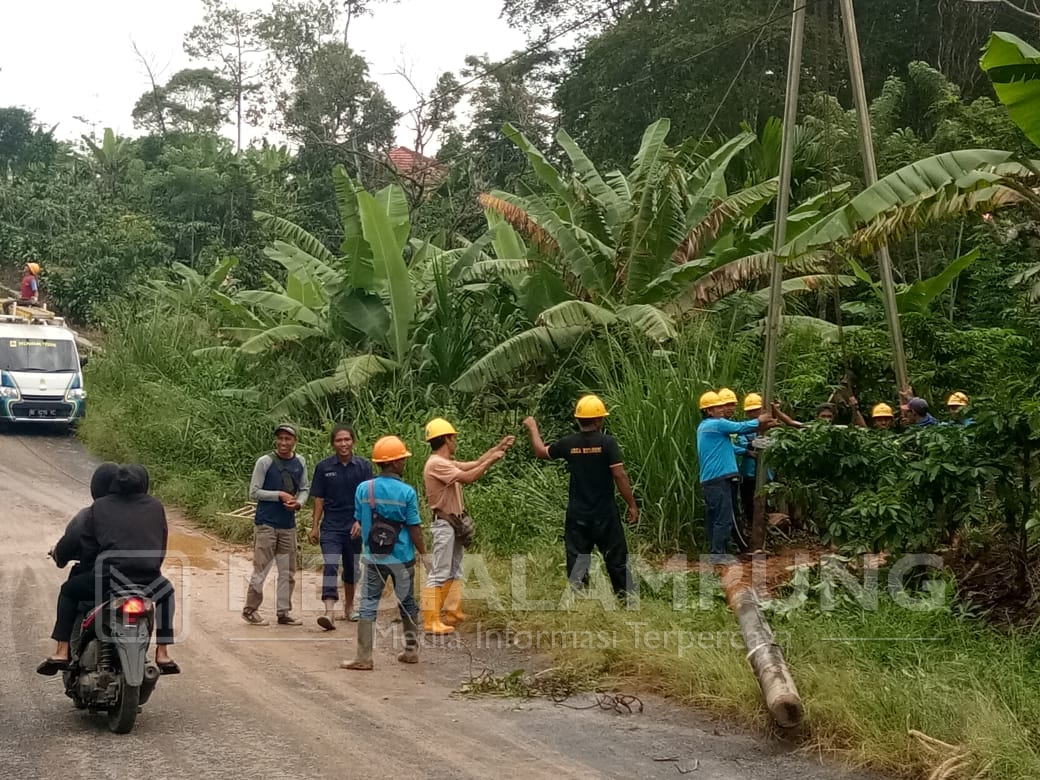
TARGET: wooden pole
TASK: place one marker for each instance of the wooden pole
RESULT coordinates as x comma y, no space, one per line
859,96
783,204
766,658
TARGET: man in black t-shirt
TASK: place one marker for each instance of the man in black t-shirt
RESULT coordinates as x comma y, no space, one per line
594,461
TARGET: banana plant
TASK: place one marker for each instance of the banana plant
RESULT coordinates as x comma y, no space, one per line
918,296
621,250
1014,68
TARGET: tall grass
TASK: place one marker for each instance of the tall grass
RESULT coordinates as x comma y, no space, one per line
653,396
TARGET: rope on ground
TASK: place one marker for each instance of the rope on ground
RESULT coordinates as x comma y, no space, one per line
557,684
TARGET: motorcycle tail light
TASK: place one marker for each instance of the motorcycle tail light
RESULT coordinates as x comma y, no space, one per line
133,606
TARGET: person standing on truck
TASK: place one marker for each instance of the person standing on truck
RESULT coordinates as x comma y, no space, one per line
280,488
333,487
30,291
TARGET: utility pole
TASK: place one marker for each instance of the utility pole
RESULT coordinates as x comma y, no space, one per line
859,95
776,297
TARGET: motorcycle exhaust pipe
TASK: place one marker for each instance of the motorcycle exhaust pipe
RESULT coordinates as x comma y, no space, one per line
151,677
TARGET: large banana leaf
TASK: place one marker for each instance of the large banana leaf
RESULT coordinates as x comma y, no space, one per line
291,233
506,241
533,346
352,373
542,167
540,290
918,296
641,265
297,260
950,173
354,248
273,338
615,210
587,257
1014,68
280,304
648,321
363,312
395,205
219,275
387,246
569,314
709,178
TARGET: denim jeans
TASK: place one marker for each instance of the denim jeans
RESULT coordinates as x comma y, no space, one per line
403,577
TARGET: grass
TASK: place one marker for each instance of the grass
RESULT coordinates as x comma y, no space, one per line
152,402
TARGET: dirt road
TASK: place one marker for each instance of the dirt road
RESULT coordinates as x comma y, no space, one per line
271,702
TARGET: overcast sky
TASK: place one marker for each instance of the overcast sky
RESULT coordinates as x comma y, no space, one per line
68,58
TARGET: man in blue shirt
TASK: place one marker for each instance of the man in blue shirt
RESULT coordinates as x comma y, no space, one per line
915,413
335,482
718,467
280,487
387,515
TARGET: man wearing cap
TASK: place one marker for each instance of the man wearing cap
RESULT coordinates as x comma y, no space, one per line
594,461
718,466
915,413
280,487
333,487
955,405
444,477
387,522
30,290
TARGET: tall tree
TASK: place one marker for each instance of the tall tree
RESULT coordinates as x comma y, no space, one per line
23,141
230,38
194,100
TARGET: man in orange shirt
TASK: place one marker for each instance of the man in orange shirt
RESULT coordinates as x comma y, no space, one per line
444,477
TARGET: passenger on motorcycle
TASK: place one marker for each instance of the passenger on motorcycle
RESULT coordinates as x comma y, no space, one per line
123,535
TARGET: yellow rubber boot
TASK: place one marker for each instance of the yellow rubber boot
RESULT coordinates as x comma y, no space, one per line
453,614
432,601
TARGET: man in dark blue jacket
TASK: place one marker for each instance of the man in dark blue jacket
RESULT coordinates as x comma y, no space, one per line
280,488
335,482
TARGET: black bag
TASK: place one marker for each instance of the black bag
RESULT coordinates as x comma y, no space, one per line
289,484
382,536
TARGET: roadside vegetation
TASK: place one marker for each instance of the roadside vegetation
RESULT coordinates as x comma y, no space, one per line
236,287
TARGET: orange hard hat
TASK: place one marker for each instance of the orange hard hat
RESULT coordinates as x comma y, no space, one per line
388,449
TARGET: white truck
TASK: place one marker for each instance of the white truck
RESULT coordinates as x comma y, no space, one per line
41,377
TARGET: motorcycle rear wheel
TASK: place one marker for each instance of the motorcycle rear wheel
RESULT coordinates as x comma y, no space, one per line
121,718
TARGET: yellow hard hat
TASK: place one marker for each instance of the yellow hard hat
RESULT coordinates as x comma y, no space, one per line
881,410
727,396
710,399
752,401
439,427
34,268
957,399
388,449
590,407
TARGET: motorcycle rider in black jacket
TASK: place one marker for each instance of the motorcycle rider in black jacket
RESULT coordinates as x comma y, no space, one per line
120,539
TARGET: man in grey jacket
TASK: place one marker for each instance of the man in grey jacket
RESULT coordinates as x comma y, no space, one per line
280,488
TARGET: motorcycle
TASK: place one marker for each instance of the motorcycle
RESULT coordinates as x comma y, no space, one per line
109,670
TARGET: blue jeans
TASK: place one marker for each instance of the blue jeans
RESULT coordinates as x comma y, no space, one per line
718,513
337,548
403,577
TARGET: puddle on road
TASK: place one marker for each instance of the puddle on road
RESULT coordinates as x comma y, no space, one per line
196,549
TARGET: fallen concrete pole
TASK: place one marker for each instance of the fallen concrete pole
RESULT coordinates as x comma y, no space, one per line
766,658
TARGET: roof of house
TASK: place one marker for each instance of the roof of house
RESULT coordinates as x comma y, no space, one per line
417,166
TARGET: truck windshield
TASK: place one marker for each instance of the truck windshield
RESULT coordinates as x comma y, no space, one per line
43,355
